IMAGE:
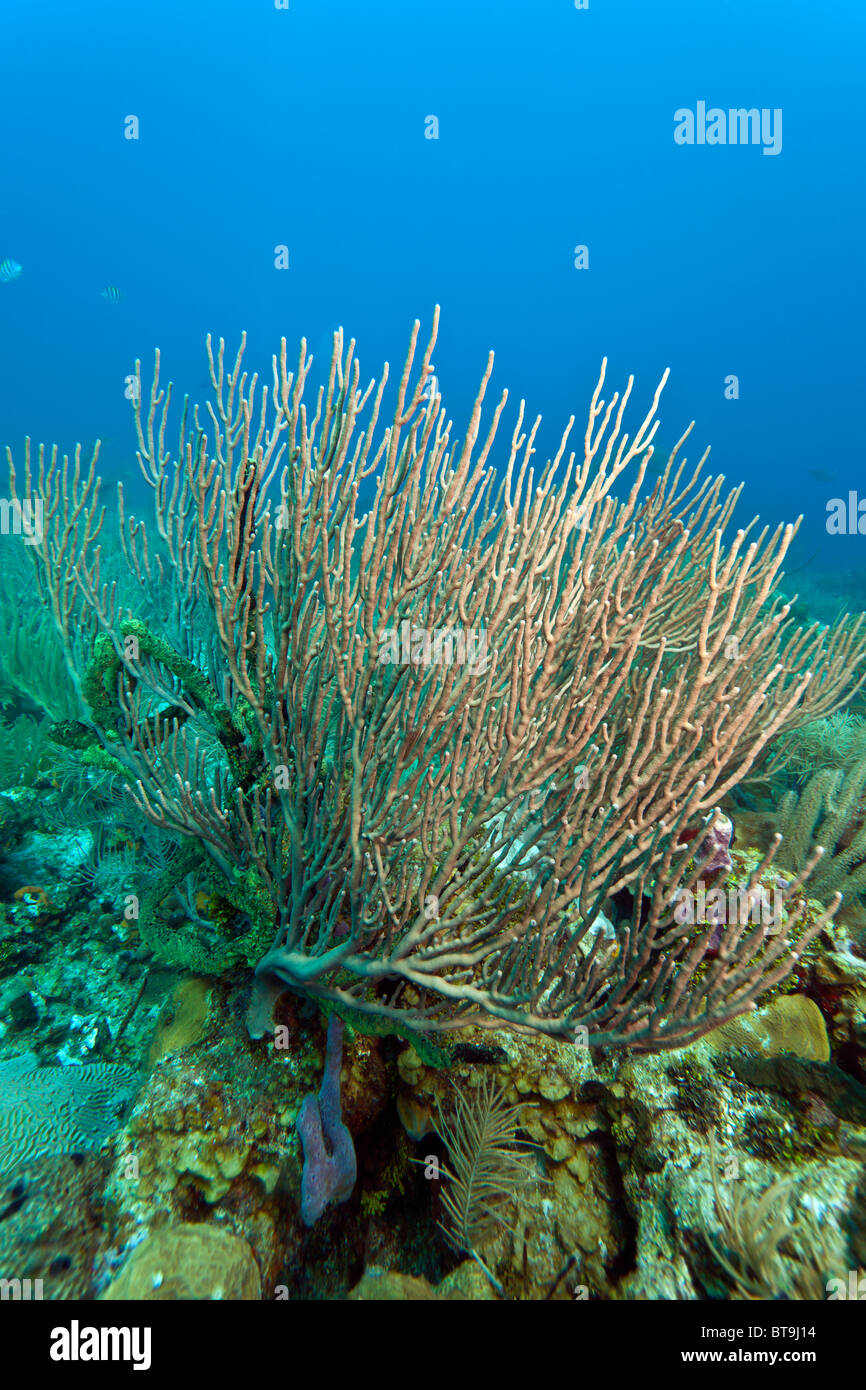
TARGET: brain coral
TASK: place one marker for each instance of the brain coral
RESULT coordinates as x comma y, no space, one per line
59,1110
792,1023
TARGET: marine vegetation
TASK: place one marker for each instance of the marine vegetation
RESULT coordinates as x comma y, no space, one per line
488,1166
811,788
756,1231
413,714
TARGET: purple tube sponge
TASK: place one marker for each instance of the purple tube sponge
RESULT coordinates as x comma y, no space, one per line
330,1166
714,851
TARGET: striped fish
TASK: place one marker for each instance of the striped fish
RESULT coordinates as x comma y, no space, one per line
9,271
112,294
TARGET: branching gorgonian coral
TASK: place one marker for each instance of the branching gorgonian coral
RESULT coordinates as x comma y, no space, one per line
448,708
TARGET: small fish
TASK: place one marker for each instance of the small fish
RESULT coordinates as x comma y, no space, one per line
657,462
112,294
9,271
822,475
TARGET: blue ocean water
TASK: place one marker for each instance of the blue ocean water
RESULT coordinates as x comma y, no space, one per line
670,186
305,127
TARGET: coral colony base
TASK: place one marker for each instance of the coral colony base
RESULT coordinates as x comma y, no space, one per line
473,762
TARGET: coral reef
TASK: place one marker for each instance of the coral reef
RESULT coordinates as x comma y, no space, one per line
385,794
345,955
